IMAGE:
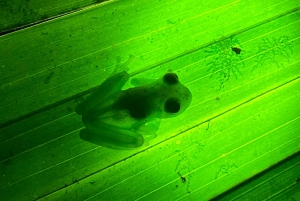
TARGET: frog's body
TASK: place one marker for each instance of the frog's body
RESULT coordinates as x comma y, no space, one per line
123,119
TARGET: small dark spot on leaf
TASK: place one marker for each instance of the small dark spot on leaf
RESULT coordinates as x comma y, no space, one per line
44,17
75,180
236,50
69,109
48,78
54,117
183,179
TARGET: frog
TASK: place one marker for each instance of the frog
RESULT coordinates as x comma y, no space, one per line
129,118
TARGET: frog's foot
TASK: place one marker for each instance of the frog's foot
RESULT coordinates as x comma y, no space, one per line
121,67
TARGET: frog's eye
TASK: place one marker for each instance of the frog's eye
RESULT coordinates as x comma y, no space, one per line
172,105
170,78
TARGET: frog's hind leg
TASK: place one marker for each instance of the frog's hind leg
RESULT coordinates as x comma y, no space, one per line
111,137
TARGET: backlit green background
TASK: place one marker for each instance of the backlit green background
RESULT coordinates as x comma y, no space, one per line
238,140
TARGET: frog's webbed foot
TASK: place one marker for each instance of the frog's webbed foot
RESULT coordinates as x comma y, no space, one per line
121,67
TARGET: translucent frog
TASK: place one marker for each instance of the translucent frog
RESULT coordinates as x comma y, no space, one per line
127,119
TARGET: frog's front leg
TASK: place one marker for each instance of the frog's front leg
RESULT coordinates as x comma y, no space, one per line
114,83
112,137
148,130
108,87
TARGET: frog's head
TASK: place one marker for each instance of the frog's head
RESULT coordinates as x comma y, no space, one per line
175,97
